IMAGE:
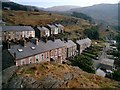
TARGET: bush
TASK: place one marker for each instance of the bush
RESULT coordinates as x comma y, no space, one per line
83,62
116,75
92,33
81,15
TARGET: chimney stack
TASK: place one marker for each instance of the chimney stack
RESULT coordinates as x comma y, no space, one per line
62,39
45,39
80,38
53,39
35,41
23,42
66,40
9,46
14,55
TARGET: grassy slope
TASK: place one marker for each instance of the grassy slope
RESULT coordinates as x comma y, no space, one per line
41,18
81,79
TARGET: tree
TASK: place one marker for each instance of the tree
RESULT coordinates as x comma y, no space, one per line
81,15
116,75
92,33
118,38
84,62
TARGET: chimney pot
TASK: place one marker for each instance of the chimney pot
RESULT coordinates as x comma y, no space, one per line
9,45
23,42
14,55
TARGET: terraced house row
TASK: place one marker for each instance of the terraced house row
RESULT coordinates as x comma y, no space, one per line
18,32
39,50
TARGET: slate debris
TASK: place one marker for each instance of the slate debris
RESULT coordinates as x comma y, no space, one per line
48,82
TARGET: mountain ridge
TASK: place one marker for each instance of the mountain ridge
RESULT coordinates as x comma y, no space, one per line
16,6
105,12
61,8
101,13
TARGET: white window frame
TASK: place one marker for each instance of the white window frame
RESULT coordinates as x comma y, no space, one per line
36,57
23,62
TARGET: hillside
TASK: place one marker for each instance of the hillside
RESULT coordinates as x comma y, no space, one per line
26,15
72,24
61,8
16,6
48,75
42,18
102,12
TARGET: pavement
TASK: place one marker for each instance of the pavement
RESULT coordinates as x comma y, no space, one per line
102,55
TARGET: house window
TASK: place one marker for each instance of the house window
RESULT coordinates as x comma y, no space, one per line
37,58
55,52
60,51
47,55
4,33
20,50
30,60
9,33
33,48
51,53
30,35
9,37
22,62
42,57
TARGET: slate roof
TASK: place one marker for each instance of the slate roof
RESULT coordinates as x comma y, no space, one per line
51,26
41,47
59,25
69,43
106,61
80,42
49,45
27,51
17,28
2,21
100,72
43,29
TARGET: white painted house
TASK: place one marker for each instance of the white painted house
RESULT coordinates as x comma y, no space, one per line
53,29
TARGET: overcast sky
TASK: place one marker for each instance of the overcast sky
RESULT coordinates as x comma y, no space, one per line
49,3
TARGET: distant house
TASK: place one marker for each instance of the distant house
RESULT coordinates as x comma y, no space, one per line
2,23
100,72
113,42
83,44
17,32
71,48
53,29
6,8
107,64
38,51
42,32
60,28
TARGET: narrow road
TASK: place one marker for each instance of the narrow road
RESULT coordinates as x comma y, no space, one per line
96,63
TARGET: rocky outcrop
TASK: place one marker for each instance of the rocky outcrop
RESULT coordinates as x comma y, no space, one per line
49,75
